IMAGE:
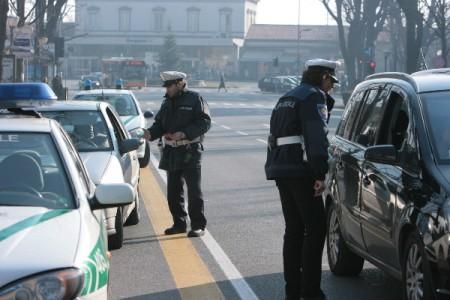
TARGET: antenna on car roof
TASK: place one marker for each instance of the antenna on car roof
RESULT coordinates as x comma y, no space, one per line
103,95
423,59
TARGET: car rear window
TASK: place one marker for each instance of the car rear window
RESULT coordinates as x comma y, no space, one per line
123,103
32,173
437,114
87,129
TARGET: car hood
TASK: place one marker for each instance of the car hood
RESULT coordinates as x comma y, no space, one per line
132,122
34,240
96,163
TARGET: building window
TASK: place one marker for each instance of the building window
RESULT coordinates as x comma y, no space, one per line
193,19
124,19
93,22
225,20
158,18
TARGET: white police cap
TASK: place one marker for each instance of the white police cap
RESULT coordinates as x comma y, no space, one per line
170,77
328,65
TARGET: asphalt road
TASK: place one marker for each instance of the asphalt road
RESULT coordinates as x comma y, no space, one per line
244,217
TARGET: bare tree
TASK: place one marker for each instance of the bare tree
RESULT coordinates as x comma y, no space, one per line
365,19
438,22
4,7
396,30
45,14
414,32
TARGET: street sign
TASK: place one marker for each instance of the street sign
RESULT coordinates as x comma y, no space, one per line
8,68
22,46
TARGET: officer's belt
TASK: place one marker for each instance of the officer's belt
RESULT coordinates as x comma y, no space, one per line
289,140
179,143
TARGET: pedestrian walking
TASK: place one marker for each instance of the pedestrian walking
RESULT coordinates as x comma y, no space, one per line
222,83
182,122
297,159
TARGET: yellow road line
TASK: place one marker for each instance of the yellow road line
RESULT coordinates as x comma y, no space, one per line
189,272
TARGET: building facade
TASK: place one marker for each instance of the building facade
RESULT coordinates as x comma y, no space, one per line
209,33
283,49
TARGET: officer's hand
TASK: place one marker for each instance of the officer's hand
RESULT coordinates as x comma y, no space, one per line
177,136
147,134
319,187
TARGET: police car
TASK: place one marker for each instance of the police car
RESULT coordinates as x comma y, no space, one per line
107,150
127,106
52,233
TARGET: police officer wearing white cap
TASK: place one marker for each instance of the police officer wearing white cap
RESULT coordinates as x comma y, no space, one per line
182,121
297,159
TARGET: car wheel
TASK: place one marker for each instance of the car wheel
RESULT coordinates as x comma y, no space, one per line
342,261
115,241
134,217
143,162
416,273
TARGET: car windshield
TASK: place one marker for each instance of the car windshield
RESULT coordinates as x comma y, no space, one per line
123,103
437,109
87,129
31,172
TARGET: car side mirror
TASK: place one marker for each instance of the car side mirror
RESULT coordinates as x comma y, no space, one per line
129,145
112,195
384,154
148,114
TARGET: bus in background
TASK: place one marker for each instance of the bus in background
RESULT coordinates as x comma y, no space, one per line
131,71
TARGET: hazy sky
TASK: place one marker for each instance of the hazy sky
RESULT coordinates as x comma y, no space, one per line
286,12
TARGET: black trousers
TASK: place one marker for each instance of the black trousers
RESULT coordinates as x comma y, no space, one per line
304,237
175,195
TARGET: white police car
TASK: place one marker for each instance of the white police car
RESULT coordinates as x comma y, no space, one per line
127,106
52,233
107,150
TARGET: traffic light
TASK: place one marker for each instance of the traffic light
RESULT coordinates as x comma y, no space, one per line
59,47
371,66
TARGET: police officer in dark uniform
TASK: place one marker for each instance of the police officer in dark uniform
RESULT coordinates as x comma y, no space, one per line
297,159
182,121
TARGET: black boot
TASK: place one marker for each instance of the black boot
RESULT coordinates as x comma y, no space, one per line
175,230
196,233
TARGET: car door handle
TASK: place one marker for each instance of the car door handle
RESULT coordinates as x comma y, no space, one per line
366,180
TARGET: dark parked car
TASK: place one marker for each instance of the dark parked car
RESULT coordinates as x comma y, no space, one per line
277,84
388,195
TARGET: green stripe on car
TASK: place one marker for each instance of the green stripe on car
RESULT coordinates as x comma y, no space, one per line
30,222
96,268
128,120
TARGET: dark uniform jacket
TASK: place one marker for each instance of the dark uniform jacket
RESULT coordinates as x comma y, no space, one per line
189,113
302,111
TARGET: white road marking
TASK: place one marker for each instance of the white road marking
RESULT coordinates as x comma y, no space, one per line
266,125
241,133
225,127
242,104
262,141
236,279
214,122
227,104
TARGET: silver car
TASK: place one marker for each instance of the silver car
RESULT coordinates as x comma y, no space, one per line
127,106
107,150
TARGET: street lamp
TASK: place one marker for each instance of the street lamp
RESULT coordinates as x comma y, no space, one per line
299,35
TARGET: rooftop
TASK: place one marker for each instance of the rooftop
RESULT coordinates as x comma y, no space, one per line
290,32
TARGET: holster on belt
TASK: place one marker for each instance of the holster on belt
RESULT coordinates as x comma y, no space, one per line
272,142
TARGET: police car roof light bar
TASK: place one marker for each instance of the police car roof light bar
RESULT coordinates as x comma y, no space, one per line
395,75
25,95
